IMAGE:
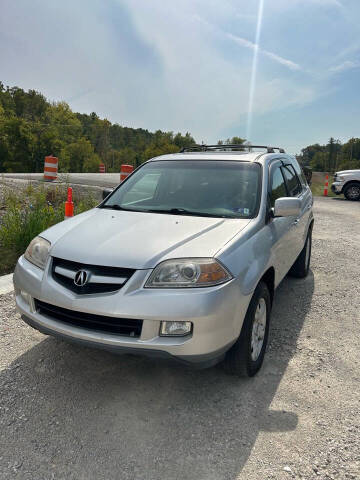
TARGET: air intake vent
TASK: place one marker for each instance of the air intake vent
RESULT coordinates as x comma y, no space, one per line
120,326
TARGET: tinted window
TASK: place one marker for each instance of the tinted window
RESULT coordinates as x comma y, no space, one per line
293,184
278,188
300,174
209,188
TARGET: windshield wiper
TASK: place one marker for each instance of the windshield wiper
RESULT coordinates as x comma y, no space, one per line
171,211
119,207
183,211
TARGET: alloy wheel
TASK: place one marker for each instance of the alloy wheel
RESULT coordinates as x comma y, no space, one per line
258,329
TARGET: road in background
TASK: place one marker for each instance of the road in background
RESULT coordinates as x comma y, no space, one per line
69,412
91,179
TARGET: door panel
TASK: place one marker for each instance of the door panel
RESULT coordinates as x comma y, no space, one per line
282,229
295,189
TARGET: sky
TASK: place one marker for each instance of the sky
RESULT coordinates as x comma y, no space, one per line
276,72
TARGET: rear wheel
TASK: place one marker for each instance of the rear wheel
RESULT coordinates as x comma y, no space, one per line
247,354
301,267
352,191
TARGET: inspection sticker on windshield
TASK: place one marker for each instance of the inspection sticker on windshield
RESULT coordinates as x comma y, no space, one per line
242,211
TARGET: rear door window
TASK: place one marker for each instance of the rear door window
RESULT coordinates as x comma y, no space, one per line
292,181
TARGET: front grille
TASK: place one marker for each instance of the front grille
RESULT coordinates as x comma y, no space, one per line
120,326
112,278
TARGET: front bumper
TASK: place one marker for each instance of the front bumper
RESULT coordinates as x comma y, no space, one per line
217,314
336,187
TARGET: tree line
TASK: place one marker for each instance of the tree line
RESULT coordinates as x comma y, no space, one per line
31,127
333,156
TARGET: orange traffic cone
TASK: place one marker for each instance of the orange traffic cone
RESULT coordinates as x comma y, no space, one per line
326,186
69,205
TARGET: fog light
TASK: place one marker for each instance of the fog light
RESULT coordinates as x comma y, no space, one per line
26,297
175,328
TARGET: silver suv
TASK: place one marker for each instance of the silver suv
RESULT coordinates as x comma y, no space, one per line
180,260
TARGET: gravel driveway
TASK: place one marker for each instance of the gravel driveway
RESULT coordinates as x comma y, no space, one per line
68,412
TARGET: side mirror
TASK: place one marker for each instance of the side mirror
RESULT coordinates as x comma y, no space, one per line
106,192
287,207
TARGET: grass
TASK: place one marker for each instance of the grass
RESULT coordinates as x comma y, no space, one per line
317,184
28,212
318,190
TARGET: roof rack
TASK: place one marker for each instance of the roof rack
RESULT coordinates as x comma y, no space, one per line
235,146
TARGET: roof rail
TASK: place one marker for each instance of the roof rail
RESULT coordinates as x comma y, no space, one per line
234,147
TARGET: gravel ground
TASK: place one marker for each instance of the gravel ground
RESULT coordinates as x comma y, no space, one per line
68,412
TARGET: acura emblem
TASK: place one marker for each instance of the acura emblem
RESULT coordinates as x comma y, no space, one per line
81,278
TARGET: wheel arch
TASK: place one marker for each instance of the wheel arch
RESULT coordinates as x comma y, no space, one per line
351,181
348,183
269,279
311,226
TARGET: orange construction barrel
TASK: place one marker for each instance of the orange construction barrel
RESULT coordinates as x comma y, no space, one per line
101,168
51,168
125,171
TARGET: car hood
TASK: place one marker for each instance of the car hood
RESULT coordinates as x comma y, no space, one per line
138,240
343,172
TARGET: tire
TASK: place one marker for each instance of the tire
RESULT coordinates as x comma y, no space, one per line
242,359
352,191
301,267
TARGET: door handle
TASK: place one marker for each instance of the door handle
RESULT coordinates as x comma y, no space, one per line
295,222
309,206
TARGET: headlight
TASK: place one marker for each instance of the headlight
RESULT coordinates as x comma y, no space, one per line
37,252
192,272
340,178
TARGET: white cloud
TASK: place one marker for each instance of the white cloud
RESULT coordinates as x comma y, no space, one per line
281,4
243,42
334,3
205,88
151,64
248,44
347,65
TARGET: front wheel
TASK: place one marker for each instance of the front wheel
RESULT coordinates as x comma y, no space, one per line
246,356
352,191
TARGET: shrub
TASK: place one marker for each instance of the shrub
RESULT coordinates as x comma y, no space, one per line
28,213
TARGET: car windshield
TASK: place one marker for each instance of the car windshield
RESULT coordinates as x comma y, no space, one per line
227,189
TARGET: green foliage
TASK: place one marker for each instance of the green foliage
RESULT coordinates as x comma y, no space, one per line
31,127
332,156
29,212
79,156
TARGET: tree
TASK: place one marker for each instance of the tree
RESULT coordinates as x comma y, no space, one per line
116,158
91,163
17,145
78,156
162,148
31,127
319,161
232,141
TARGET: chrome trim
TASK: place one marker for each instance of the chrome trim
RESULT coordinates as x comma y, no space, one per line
93,278
65,272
